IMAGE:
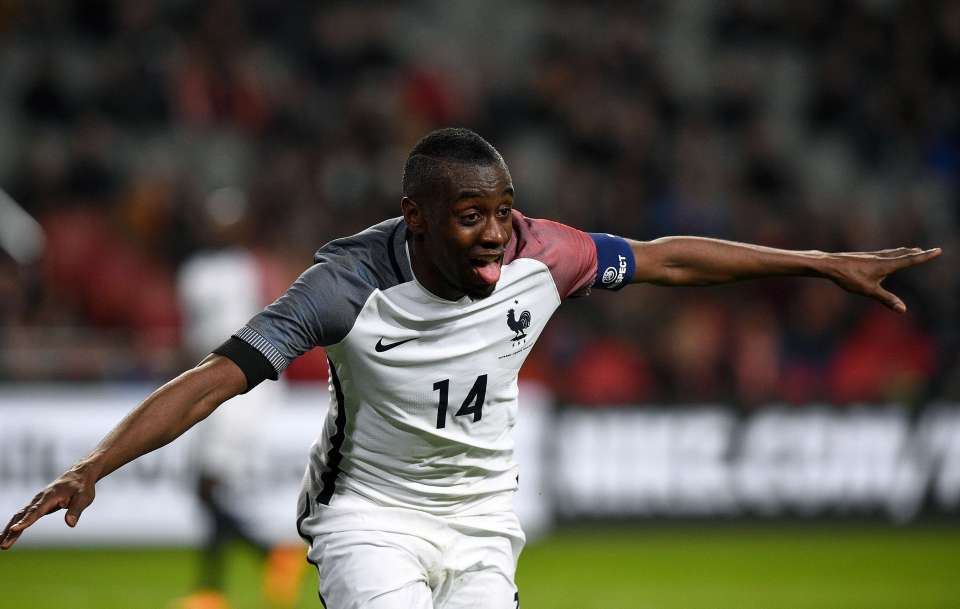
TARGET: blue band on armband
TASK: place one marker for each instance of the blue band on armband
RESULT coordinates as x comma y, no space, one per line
615,263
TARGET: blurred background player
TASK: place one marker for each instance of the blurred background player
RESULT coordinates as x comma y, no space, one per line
220,286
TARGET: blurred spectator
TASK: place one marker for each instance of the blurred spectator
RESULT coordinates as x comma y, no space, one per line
822,125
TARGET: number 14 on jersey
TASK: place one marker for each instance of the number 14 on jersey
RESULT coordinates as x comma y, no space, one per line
472,404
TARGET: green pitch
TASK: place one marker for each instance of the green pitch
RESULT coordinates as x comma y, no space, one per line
689,567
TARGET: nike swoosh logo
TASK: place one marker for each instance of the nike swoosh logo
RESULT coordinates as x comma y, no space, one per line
380,347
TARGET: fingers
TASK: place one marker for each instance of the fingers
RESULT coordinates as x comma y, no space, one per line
900,253
896,252
917,257
8,537
41,506
890,300
905,261
76,506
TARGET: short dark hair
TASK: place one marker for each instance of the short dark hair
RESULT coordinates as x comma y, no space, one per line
425,163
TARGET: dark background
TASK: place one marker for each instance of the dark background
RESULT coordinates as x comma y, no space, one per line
812,125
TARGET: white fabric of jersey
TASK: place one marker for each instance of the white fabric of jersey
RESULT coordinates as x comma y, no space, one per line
423,389
412,479
394,452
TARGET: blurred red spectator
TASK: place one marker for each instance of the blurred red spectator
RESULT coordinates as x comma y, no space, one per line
885,358
607,371
115,283
756,361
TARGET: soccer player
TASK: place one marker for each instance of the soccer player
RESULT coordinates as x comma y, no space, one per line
427,318
219,290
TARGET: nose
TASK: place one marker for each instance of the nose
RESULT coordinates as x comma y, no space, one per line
495,233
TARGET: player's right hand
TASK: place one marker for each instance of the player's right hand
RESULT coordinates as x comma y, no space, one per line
73,491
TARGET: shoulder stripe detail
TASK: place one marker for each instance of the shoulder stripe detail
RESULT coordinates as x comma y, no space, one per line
392,252
258,342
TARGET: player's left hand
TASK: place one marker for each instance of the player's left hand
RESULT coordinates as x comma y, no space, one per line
863,272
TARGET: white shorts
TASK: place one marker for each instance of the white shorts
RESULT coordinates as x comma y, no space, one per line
375,557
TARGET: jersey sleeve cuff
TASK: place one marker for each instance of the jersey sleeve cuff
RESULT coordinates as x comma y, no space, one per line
257,358
265,347
615,262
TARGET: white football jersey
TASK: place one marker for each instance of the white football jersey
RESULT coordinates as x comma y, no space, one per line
219,290
423,389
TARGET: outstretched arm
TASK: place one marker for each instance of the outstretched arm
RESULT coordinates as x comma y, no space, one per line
702,261
166,414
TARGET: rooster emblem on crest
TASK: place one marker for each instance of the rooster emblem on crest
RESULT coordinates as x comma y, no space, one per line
518,325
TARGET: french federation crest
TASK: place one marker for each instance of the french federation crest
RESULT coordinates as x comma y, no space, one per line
518,324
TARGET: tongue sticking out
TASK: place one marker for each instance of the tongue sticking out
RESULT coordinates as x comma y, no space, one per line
489,272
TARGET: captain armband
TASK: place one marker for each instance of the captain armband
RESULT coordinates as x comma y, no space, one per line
615,262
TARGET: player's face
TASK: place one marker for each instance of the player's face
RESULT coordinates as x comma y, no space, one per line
464,235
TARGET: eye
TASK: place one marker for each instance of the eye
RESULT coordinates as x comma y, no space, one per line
504,211
470,218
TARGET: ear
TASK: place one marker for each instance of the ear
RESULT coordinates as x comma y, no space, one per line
413,214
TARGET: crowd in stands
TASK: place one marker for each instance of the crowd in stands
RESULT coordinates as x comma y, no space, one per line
134,132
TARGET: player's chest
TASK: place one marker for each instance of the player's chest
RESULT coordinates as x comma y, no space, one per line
401,335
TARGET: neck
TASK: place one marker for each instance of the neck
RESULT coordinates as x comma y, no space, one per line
421,262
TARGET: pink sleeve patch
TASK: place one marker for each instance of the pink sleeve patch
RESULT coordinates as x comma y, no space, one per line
570,254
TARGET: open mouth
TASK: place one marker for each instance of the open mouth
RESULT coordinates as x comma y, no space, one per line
487,268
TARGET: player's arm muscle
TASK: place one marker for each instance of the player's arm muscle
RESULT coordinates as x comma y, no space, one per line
703,261
163,416
168,412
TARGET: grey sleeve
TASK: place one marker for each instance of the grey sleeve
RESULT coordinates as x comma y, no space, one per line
319,309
